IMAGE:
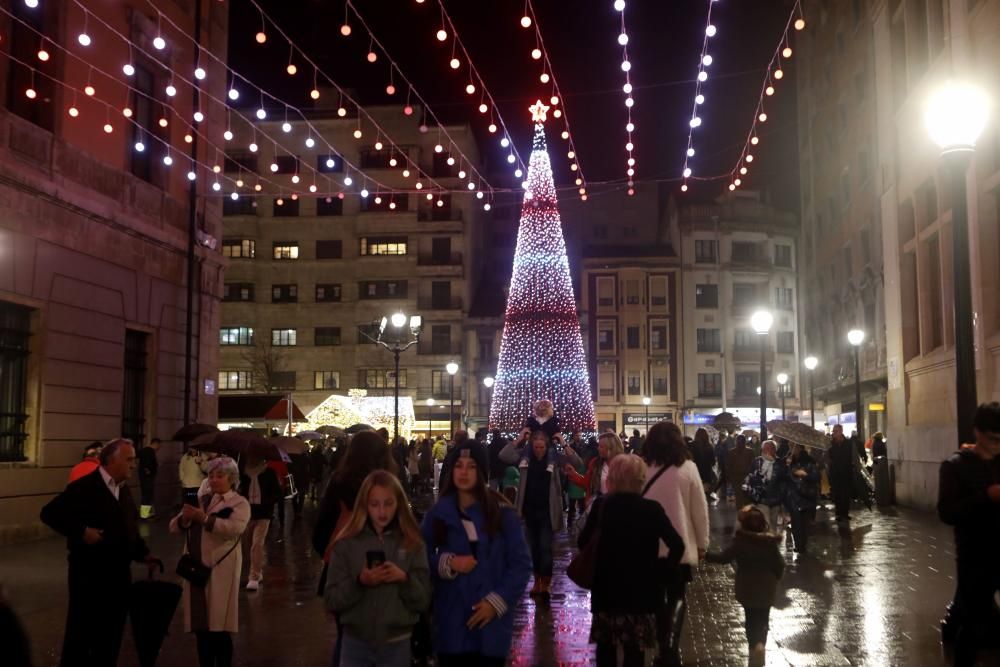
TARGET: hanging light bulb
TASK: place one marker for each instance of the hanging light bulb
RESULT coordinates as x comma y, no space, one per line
108,129
345,30
163,122
690,152
461,173
253,147
295,178
329,163
341,112
710,30
393,162
418,185
83,38
620,5
139,147
188,138
406,173
228,135
779,74
128,69
565,134
171,90
442,35
372,56
167,160
348,180
749,158
623,39
536,54
234,94
699,99
261,113
626,66
629,102
786,52
310,142
390,89
88,90
31,4
199,73
754,140
314,94
762,117
510,158
544,77
525,21
687,172
159,43
198,116
357,133
505,142
707,60
737,182
630,126
684,188
629,146
518,173
286,127
743,170
695,122
191,175
492,128
470,89
703,76
127,112
455,63
291,69
800,24
43,55
408,110
73,112
239,182
769,91
31,93
627,88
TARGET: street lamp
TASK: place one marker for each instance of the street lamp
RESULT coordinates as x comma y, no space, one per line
782,381
855,337
955,116
452,368
761,322
397,340
811,363
646,400
430,417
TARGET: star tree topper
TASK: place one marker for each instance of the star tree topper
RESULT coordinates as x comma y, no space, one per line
538,111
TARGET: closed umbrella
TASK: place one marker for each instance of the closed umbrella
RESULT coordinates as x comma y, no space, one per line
152,605
192,431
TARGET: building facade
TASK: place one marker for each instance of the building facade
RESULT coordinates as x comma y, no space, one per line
737,255
310,277
95,238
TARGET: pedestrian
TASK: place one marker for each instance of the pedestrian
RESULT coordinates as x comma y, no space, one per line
260,486
98,517
635,443
440,451
738,463
148,466
413,467
969,500
317,470
543,418
576,496
726,442
763,487
479,564
280,469
759,567
539,499
213,529
366,453
879,450
379,582
426,465
674,482
497,467
299,470
88,464
192,472
625,598
595,481
798,477
511,483
842,461
16,645
704,458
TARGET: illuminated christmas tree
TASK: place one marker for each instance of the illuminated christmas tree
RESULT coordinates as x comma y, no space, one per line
541,353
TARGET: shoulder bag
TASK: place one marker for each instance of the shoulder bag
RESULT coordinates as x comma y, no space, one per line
581,569
190,567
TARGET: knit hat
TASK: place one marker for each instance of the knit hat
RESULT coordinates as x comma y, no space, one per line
472,449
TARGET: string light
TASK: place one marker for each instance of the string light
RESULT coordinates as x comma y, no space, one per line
626,67
541,351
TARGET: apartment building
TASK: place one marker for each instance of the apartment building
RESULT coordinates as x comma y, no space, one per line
95,235
311,276
737,255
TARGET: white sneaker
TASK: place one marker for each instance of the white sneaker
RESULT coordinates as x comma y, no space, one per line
253,585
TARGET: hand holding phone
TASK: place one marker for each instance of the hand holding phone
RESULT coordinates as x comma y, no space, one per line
374,559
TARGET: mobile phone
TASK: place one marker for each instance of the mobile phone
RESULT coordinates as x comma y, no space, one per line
374,558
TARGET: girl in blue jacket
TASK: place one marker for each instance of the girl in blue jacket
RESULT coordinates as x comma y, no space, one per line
479,564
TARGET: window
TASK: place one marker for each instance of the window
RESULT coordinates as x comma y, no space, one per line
382,289
326,380
24,33
15,334
287,164
744,294
658,336
326,206
146,111
236,336
327,164
329,249
441,339
380,378
933,329
705,251
283,337
286,207
660,381
371,158
368,333
235,379
326,336
486,349
746,384
237,292
783,255
658,291
440,167
789,389
284,293
632,296
634,384
283,380
745,340
606,380
605,291
744,251
786,342
709,340
606,335
385,202
239,248
239,206
134,387
440,383
441,295
783,298
327,293
239,162
632,338
286,250
706,296
600,232
709,384
383,245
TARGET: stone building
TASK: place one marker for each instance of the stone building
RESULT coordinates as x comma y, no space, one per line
94,240
310,276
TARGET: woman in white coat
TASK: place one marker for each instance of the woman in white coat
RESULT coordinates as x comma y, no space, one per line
214,529
675,483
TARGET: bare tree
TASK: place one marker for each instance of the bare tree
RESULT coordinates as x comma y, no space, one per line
265,362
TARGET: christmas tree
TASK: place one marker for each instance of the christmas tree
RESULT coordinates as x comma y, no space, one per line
541,352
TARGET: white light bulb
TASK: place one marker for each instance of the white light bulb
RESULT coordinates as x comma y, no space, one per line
216,186
687,172
461,173
159,43
690,152
479,195
286,127
518,173
234,196
620,5
707,60
139,146
329,163
505,142
486,206
525,21
623,39
699,99
630,162
510,158
198,116
364,192
629,102
442,35
703,75
192,176
261,114
630,127
228,135
171,90
629,146
234,94
627,88
348,180
31,4
310,142
128,69
626,65
274,167
199,73
710,31
253,147
695,122
167,160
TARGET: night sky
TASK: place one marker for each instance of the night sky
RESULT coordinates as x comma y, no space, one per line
581,39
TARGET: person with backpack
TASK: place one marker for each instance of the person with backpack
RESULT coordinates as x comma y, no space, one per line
479,564
379,582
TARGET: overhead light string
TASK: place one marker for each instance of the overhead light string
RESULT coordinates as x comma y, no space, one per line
626,67
705,59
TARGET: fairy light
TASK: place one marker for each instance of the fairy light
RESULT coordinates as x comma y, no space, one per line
199,73
626,68
541,351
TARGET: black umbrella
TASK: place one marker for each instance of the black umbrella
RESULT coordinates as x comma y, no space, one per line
151,609
192,431
358,428
726,421
242,444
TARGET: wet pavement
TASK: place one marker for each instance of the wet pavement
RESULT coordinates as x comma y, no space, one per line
868,595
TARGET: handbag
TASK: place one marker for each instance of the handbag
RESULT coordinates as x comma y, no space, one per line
190,567
584,564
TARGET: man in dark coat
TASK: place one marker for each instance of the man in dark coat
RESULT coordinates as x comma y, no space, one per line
841,461
497,467
97,515
148,466
969,500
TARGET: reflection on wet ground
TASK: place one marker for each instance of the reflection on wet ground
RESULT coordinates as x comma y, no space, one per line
870,594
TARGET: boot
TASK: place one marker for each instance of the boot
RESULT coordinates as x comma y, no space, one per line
545,590
536,588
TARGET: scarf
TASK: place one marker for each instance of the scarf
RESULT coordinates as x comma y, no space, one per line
253,474
767,468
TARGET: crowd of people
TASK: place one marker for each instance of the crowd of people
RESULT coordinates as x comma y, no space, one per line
404,585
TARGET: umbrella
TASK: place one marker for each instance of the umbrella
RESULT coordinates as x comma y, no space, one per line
726,421
358,428
310,435
798,433
288,444
151,608
332,431
192,431
237,444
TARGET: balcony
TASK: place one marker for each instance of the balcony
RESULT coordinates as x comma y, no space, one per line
429,303
431,259
449,348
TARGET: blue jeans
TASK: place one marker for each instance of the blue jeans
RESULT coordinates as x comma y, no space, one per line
539,532
358,653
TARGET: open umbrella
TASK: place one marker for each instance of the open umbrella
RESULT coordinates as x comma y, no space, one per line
332,431
310,435
241,444
798,433
726,421
358,428
192,431
152,605
289,444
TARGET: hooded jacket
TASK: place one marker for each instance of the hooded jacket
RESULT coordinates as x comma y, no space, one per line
513,455
759,566
963,503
